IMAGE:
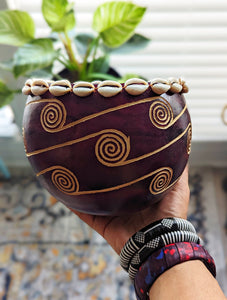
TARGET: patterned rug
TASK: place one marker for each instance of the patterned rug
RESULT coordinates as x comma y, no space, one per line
46,252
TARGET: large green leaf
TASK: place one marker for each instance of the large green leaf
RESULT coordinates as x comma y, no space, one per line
6,95
58,14
116,21
16,27
38,54
136,42
45,73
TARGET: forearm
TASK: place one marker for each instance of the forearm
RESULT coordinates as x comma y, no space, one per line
188,280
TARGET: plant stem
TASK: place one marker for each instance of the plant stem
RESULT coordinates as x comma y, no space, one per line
57,76
95,45
85,60
68,47
63,63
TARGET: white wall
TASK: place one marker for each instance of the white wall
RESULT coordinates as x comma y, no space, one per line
188,40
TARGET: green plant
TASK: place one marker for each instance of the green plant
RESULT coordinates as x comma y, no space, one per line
84,56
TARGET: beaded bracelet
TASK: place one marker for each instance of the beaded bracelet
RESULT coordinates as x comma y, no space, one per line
165,258
158,243
150,232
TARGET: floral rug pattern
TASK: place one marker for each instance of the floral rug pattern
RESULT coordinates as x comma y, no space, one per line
48,253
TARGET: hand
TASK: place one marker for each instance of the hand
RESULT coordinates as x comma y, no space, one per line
118,229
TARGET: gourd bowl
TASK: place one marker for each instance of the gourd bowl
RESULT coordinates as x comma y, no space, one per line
104,147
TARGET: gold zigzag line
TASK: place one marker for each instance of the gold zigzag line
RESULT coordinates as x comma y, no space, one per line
114,187
113,130
112,109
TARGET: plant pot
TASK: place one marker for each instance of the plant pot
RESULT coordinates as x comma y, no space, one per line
107,148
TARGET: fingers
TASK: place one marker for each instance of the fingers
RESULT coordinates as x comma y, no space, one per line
89,219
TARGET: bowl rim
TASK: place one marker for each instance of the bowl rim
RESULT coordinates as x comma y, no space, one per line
106,88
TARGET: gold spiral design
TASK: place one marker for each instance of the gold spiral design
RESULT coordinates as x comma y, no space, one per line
189,139
161,114
53,116
161,181
64,180
112,148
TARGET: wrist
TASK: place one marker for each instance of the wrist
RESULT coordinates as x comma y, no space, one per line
191,279
158,247
167,258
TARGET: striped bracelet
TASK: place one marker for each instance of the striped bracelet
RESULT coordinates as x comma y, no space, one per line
157,243
150,232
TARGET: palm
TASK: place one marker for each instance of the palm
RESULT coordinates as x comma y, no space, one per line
117,229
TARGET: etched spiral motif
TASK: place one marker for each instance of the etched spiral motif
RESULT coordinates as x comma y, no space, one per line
65,180
161,181
112,148
53,116
161,114
189,139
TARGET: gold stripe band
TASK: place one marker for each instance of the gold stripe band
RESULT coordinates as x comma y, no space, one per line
106,111
121,163
114,188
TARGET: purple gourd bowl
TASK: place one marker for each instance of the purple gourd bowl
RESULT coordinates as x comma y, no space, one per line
107,148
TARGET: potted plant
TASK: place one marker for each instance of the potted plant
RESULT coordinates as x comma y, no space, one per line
66,53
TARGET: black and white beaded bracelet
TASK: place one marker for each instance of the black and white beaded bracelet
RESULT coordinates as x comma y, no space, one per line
149,233
158,243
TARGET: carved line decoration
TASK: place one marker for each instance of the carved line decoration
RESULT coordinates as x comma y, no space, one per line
189,140
161,181
53,116
67,183
112,148
25,142
64,180
161,114
92,116
72,142
112,132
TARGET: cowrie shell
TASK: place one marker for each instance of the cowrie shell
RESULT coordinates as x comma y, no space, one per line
96,82
26,90
83,88
49,81
160,86
135,86
60,87
176,87
185,88
109,88
39,87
